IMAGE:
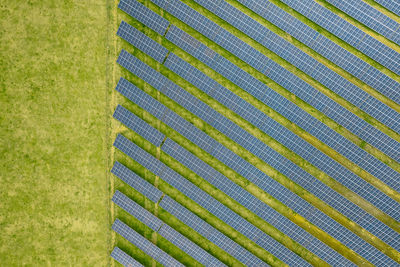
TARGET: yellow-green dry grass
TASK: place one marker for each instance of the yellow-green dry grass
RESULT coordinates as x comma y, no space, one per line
54,123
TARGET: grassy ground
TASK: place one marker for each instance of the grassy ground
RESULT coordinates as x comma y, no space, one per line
53,123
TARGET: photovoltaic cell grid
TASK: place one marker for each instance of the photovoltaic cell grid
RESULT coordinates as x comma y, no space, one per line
134,122
332,51
141,41
392,5
124,258
136,182
144,15
152,221
347,32
214,206
312,67
286,108
209,232
370,17
145,245
274,159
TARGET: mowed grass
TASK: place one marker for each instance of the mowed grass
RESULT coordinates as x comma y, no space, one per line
54,208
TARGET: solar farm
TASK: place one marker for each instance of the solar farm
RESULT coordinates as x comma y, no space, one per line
214,133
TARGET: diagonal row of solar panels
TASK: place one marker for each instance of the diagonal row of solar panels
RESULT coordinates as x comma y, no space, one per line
178,123
392,5
211,204
165,231
316,70
145,245
132,121
144,15
210,232
136,182
329,49
261,150
141,41
123,258
287,108
347,32
355,124
370,17
186,216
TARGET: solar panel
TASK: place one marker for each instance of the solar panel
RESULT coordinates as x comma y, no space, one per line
209,232
142,42
136,210
288,109
205,200
348,33
124,258
329,49
138,125
136,182
144,15
370,17
392,5
145,245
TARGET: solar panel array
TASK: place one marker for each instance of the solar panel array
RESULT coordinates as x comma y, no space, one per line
371,17
309,65
329,49
165,231
144,15
145,245
347,32
123,258
392,5
286,108
216,208
141,41
136,182
186,216
271,157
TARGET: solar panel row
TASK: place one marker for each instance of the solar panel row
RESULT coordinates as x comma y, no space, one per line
136,182
164,230
124,258
192,133
392,5
327,48
186,216
315,69
370,17
144,15
145,245
210,232
286,108
348,33
260,149
141,41
210,203
134,122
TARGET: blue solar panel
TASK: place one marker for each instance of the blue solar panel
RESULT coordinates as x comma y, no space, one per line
138,125
144,15
209,232
145,245
270,156
142,42
288,109
370,17
392,5
124,258
137,211
216,208
347,32
136,182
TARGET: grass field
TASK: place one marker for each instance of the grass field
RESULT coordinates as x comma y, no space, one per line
58,72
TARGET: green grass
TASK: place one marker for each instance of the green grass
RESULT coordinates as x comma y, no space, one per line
54,189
